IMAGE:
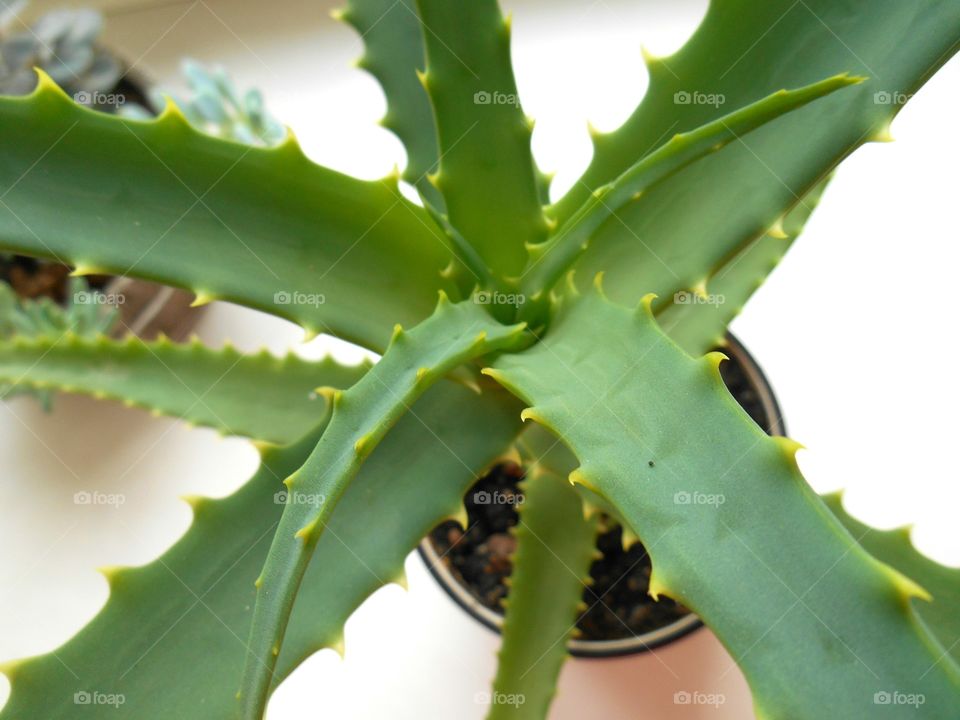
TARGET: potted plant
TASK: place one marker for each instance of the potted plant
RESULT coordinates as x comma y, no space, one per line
587,317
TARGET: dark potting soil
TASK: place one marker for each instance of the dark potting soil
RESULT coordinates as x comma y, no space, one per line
618,604
33,278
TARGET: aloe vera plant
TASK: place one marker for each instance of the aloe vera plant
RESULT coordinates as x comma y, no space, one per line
490,306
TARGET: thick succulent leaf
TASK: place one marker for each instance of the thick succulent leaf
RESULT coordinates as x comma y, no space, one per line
553,258
266,228
895,548
487,174
190,609
258,396
362,416
551,565
34,317
682,231
733,530
394,54
697,321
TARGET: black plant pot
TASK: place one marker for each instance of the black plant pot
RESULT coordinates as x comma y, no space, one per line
750,387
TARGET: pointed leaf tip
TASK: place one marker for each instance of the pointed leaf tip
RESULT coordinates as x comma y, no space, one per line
776,230
202,298
598,283
646,304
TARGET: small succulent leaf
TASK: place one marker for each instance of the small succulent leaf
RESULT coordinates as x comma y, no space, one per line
555,548
556,256
697,321
486,174
362,416
62,43
190,608
733,530
744,50
895,548
394,54
31,319
266,228
210,388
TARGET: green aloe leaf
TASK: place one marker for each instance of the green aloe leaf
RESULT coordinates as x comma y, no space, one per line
733,530
555,257
362,417
394,54
684,230
486,174
895,548
266,228
697,320
190,609
184,380
551,565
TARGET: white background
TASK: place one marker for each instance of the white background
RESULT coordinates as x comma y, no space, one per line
856,330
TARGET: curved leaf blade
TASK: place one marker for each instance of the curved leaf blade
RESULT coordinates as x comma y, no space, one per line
895,548
394,54
189,381
153,634
362,417
487,174
265,228
733,530
693,223
551,565
555,257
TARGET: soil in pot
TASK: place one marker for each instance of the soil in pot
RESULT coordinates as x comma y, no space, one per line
479,557
32,278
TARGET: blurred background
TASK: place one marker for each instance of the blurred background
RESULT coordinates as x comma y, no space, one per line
856,330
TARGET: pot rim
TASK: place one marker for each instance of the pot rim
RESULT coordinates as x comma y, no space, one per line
637,644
